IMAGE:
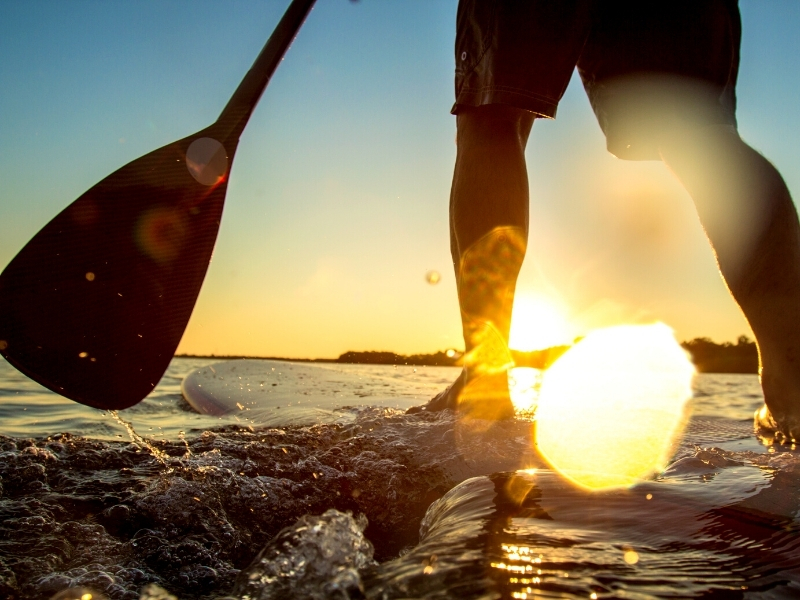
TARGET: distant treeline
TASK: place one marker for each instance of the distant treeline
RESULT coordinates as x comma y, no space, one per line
539,359
707,356
439,359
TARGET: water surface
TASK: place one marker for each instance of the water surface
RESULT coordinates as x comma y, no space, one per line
379,504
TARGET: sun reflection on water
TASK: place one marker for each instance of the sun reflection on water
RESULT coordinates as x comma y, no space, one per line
611,408
524,568
523,387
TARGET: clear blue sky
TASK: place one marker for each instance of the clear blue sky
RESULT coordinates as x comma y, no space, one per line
337,204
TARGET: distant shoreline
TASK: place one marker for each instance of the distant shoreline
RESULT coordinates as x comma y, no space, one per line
248,357
707,356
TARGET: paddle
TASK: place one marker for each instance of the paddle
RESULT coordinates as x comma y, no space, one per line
94,306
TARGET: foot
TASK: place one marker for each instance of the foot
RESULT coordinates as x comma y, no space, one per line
481,397
779,419
443,400
776,431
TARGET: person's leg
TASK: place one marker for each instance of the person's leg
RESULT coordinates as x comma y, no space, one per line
488,232
751,222
513,62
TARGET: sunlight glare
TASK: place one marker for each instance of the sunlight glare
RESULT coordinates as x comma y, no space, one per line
611,408
538,322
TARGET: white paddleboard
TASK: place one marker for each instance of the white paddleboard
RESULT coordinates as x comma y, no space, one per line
301,393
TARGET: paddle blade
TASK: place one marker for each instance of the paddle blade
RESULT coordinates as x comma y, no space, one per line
94,306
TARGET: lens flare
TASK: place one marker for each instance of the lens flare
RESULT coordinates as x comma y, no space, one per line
207,161
160,234
486,278
490,354
611,408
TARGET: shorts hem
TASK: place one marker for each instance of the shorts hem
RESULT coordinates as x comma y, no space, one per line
541,107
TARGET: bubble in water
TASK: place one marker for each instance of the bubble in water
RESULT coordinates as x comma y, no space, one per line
154,592
78,593
433,277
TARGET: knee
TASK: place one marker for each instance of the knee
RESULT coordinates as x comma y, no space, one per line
708,141
493,125
719,150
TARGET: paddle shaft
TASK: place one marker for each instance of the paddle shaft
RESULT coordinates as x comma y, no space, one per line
236,113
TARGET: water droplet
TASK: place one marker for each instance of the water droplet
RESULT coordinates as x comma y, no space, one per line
433,277
89,276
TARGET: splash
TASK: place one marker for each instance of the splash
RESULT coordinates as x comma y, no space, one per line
611,408
160,456
317,558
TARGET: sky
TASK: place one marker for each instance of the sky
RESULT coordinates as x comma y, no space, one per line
338,196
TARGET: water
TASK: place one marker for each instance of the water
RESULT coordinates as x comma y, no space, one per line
378,504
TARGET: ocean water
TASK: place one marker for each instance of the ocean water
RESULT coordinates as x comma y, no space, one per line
364,501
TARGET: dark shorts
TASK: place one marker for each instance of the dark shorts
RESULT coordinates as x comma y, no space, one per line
647,65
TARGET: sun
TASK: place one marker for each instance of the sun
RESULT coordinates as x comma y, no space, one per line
539,322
